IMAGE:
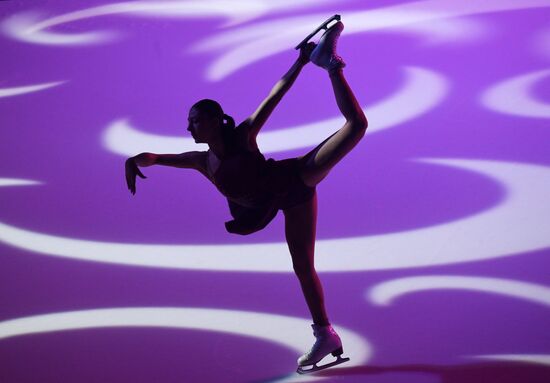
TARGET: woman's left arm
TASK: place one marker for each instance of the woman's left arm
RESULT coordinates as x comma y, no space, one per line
255,122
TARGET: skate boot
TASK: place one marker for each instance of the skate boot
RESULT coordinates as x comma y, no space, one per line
324,54
327,342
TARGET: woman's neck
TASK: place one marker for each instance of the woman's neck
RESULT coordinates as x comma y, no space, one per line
218,148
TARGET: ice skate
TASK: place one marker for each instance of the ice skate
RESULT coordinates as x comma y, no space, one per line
324,54
327,342
322,26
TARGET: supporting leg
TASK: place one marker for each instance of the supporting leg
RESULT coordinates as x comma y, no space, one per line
300,227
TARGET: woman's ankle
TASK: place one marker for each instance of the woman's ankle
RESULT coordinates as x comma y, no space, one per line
336,71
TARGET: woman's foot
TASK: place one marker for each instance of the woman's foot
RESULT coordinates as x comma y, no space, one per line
327,341
324,54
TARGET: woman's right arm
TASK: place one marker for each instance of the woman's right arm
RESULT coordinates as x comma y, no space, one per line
257,120
192,160
145,159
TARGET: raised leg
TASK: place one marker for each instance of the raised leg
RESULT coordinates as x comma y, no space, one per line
317,163
300,228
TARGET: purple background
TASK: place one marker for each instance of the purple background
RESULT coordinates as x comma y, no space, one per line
150,76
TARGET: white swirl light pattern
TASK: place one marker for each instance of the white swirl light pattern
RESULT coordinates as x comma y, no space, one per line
16,91
437,31
386,292
422,90
521,222
541,359
514,96
541,43
17,182
263,40
282,330
30,28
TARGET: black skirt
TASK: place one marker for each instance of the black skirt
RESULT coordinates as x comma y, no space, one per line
283,188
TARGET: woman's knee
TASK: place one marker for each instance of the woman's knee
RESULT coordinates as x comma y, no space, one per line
304,270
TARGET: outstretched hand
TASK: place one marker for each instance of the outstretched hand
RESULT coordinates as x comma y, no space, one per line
305,52
131,171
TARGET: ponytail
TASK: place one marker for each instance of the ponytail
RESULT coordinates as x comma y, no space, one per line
229,133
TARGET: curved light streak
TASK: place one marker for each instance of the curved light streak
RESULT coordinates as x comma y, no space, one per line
433,32
386,292
542,359
421,91
290,331
16,91
17,182
520,223
541,43
30,28
446,31
253,43
514,96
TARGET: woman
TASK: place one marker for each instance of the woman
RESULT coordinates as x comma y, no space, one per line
256,189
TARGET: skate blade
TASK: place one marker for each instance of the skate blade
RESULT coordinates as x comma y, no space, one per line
322,26
339,360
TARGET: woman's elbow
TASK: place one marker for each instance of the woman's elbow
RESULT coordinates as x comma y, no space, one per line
360,123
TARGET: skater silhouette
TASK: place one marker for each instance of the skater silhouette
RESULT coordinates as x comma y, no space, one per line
256,188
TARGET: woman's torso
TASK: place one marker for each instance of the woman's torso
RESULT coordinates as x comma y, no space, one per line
240,176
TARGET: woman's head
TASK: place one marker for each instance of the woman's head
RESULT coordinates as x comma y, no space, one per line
207,122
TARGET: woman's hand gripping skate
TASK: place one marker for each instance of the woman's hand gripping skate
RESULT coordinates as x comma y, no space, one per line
132,171
305,52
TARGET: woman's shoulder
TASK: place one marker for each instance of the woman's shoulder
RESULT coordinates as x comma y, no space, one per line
200,161
247,140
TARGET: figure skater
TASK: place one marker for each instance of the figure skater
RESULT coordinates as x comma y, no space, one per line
256,189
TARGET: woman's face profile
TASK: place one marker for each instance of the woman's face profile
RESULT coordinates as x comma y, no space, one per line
201,126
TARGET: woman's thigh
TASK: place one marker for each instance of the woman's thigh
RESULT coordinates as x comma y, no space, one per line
300,230
317,163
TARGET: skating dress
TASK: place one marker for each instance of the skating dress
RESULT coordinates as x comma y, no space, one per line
256,188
